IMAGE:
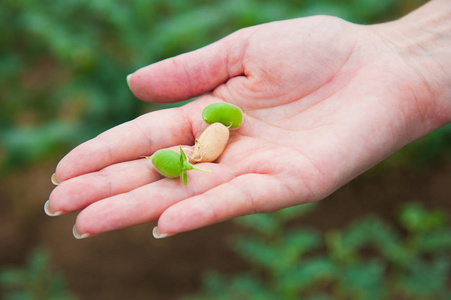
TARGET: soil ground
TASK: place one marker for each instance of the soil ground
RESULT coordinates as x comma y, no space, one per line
130,264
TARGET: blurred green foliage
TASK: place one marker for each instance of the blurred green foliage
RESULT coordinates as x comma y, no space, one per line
34,281
63,63
369,259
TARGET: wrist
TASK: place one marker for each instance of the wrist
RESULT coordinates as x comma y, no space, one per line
423,40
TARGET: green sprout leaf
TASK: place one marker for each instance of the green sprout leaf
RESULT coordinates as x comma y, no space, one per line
182,157
184,178
183,163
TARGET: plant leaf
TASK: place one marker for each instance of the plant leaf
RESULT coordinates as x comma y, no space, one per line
182,157
184,177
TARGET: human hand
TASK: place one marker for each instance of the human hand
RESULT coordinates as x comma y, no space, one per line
324,100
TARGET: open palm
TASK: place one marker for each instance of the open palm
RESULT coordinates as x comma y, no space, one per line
323,101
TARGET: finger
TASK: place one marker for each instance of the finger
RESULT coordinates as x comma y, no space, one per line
79,192
145,204
191,74
246,194
128,141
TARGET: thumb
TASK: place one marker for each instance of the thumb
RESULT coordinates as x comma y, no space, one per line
191,74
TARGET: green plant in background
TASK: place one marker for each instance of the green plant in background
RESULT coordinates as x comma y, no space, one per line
369,259
63,63
35,281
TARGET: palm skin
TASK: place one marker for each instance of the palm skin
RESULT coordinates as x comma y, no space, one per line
323,101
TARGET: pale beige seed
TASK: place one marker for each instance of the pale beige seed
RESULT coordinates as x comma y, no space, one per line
210,144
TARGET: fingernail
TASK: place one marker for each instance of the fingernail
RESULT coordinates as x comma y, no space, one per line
49,212
128,79
77,234
158,235
54,180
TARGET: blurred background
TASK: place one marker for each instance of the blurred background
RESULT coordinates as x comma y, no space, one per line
63,63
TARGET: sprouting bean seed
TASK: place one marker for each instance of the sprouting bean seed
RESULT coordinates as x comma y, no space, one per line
210,144
224,113
167,163
171,164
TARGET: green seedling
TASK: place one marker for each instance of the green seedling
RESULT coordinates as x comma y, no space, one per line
224,113
171,164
